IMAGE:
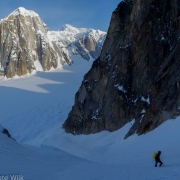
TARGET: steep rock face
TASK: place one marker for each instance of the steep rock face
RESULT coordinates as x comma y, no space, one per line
23,41
137,75
27,44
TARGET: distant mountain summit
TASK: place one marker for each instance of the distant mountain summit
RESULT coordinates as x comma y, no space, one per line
27,44
79,41
24,12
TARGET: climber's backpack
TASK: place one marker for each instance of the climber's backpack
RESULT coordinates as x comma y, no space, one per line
154,155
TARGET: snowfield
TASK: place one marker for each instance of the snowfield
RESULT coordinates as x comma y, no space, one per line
33,109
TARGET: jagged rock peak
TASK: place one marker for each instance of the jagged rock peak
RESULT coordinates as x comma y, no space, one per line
24,12
137,77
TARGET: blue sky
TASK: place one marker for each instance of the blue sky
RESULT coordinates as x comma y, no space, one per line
55,13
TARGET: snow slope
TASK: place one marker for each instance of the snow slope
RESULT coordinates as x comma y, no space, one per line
45,163
33,109
111,157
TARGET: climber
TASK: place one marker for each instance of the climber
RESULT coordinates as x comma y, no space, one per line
157,159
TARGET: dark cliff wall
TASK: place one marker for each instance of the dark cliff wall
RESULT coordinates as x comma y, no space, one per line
137,75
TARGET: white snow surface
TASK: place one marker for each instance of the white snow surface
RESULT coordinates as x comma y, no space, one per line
33,109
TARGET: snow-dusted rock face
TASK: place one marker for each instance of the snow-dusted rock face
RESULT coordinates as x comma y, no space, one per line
79,41
137,76
27,44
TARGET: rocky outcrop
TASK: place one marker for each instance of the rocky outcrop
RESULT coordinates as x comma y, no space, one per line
6,132
90,43
137,75
26,43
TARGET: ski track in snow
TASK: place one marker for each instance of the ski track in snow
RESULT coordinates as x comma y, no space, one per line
33,109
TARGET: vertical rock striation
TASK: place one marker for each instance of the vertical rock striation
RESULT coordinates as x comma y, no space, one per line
137,75
23,41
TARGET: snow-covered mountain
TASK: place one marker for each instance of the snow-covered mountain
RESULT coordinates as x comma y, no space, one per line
27,44
79,41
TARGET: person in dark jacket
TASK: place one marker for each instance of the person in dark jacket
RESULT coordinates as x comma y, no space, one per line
157,159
